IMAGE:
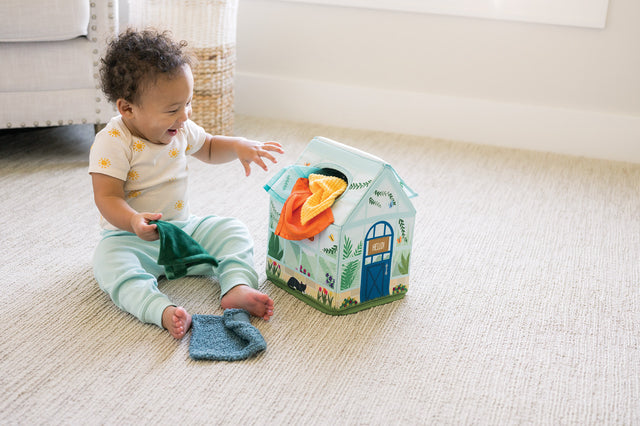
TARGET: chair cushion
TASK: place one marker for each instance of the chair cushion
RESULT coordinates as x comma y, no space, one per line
43,20
57,65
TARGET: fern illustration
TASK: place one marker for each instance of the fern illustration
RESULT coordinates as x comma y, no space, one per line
388,194
274,215
286,181
346,249
374,202
350,270
331,251
403,229
349,274
359,185
358,251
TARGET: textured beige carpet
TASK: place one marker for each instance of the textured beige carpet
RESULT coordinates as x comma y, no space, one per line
523,306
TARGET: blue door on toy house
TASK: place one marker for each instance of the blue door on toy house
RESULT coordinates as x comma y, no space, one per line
376,264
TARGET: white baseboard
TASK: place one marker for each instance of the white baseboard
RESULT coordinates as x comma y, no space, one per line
538,128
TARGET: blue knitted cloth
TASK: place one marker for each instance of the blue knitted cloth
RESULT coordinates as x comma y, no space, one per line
229,337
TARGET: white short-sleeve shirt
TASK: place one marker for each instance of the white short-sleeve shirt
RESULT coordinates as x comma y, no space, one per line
154,175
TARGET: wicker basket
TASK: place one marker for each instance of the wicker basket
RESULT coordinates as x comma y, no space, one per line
209,26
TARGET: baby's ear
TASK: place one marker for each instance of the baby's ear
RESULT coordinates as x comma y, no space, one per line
124,108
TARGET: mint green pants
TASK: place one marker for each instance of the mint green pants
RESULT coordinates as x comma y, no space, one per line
126,266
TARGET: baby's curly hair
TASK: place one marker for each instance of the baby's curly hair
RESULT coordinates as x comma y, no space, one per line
136,58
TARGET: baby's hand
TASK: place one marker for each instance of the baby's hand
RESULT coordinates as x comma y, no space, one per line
250,151
142,228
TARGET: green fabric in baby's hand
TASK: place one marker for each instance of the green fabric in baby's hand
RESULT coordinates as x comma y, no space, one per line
178,251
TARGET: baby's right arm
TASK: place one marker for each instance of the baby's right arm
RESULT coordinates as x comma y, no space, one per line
108,193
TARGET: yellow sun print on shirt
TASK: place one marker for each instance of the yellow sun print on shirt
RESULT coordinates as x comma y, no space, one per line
179,205
114,132
174,153
189,146
139,146
133,194
133,175
104,163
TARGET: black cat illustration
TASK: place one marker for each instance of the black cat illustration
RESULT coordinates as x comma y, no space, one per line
296,285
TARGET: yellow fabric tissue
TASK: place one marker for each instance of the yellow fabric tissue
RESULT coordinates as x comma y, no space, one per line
324,191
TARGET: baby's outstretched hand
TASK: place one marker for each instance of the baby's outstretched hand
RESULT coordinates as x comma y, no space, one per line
142,227
250,151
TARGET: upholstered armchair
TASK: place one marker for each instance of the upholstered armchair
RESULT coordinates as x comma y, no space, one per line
50,53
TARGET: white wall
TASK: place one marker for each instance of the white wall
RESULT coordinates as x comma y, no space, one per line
534,86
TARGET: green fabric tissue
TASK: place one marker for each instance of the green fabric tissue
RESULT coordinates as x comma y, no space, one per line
178,251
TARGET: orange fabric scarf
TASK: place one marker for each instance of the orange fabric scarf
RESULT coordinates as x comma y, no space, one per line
290,226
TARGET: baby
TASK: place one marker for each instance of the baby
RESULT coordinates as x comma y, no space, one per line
138,166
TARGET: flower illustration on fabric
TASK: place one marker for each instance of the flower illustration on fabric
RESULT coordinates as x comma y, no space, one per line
133,175
189,147
133,194
139,146
104,163
174,153
179,205
114,132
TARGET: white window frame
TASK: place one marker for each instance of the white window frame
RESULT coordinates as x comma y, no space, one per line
579,13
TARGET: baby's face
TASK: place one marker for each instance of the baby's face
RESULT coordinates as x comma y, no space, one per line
164,107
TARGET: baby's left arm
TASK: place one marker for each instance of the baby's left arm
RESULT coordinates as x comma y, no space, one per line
222,149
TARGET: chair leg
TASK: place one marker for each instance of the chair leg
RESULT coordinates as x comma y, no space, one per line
98,127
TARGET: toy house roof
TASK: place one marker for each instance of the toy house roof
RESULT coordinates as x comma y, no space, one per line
361,170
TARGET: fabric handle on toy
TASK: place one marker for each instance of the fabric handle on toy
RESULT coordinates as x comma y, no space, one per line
410,192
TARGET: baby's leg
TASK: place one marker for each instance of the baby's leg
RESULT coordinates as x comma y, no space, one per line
250,299
126,269
228,240
176,320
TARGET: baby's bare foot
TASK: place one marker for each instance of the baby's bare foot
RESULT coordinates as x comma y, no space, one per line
250,299
176,320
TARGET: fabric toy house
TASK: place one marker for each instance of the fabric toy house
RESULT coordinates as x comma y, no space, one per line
362,258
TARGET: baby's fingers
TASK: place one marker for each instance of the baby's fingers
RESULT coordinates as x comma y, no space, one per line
273,146
247,167
266,155
261,163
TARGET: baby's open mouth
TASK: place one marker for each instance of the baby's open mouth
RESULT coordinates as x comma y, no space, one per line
172,132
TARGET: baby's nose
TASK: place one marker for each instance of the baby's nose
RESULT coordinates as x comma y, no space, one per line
186,113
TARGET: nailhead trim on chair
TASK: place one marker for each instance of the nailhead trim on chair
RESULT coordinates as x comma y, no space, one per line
96,56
